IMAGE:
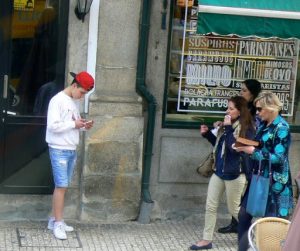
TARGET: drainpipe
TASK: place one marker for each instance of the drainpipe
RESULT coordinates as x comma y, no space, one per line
92,48
146,201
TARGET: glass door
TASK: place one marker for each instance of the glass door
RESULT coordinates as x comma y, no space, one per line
33,45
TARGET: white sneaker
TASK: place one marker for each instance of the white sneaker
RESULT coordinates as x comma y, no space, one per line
51,225
59,230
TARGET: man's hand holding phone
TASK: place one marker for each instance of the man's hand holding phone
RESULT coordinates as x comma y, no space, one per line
88,124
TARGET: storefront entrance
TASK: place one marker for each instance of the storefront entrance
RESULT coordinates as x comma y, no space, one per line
32,49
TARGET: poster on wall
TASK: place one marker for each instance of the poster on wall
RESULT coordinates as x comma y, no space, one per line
214,67
24,5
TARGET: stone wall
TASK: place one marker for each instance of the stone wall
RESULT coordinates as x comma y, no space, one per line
111,179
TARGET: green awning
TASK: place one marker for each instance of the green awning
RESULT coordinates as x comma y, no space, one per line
225,24
288,5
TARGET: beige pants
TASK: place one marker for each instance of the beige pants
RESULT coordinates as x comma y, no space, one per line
216,187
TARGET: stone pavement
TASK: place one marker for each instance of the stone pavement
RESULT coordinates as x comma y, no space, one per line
129,236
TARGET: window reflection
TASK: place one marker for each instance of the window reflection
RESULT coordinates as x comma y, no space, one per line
34,57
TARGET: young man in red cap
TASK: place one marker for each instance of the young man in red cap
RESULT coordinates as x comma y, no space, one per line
62,136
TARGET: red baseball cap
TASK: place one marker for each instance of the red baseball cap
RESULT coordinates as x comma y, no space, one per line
84,79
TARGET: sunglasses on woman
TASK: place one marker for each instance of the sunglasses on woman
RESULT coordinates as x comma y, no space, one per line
259,109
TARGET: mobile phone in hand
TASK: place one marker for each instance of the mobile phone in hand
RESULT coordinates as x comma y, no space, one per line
88,122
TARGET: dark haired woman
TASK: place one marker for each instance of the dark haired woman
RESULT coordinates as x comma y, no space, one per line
250,89
228,175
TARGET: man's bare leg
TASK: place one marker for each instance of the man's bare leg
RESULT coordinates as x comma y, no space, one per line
58,203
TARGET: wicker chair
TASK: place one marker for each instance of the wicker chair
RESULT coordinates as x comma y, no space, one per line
268,234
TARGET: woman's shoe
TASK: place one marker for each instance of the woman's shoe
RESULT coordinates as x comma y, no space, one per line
231,228
195,247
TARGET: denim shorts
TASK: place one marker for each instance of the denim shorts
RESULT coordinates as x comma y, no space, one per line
63,163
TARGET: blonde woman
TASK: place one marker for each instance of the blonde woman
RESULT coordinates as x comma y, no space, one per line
274,136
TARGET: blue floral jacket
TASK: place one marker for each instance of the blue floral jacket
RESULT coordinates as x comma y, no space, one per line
274,146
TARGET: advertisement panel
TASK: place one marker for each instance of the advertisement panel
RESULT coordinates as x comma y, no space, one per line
215,66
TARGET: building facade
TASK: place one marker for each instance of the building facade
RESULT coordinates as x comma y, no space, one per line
139,161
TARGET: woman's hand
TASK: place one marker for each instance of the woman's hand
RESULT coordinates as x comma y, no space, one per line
245,149
218,124
227,120
203,129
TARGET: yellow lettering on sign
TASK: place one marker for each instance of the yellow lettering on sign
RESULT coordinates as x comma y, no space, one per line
25,5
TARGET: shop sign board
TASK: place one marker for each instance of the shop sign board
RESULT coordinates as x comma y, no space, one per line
213,68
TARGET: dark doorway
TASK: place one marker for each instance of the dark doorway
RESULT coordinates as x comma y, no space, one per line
33,49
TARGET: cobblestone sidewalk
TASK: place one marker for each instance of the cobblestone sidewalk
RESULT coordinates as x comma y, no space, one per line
131,236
